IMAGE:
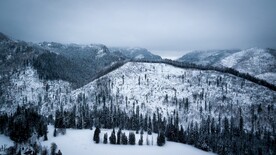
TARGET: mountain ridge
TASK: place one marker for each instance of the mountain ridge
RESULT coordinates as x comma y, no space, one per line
254,61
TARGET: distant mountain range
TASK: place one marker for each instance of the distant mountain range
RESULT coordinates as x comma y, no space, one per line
134,53
78,64
254,61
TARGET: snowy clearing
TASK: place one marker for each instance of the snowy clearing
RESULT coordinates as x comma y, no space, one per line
81,142
5,142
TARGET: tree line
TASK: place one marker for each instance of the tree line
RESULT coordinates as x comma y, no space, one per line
222,135
213,68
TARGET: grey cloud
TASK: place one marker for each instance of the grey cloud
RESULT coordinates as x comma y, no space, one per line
176,25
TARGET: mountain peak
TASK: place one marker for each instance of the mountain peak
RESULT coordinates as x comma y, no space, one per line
134,53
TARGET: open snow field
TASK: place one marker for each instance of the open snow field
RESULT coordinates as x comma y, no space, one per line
81,142
5,142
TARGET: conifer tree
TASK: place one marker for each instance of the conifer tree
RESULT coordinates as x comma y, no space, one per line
96,137
131,138
112,138
105,138
55,132
161,139
119,136
124,139
53,148
147,140
141,140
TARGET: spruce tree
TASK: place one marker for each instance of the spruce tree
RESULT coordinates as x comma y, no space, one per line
105,138
161,139
124,139
119,136
112,138
131,138
96,137
141,140
53,148
181,135
45,137
55,132
147,140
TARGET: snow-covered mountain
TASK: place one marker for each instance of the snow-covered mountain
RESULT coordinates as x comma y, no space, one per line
14,55
134,53
255,61
209,57
152,87
86,60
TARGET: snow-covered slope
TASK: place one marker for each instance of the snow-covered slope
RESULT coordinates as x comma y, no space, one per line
77,141
164,88
81,62
80,142
27,89
255,61
209,57
153,87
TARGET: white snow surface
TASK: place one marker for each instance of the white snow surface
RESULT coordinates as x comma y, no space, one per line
140,56
27,89
269,76
5,141
100,53
255,61
159,80
81,142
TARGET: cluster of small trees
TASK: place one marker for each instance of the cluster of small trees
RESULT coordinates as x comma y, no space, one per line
22,124
123,139
25,126
218,135
227,132
224,137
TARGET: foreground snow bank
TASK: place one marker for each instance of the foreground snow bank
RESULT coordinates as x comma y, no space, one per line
81,142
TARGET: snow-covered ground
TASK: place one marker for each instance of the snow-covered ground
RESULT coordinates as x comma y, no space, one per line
147,84
5,142
259,62
151,86
27,89
77,141
81,142
255,61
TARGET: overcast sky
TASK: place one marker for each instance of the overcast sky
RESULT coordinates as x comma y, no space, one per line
166,27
